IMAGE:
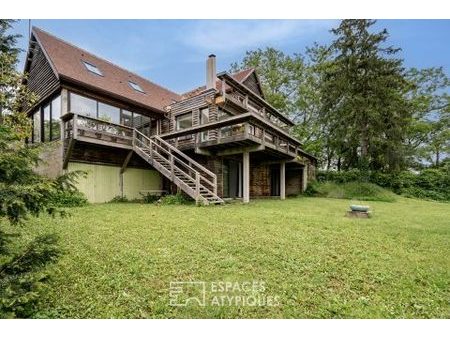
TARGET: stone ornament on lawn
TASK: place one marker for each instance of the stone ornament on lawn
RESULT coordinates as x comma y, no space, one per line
360,211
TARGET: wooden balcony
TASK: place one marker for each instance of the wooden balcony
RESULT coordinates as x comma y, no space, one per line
244,130
92,130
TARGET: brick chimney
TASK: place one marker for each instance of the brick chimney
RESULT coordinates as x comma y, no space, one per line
211,72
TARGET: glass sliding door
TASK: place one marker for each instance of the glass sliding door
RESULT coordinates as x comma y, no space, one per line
232,178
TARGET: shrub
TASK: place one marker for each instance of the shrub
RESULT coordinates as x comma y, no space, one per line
177,199
69,199
149,198
427,184
352,190
119,199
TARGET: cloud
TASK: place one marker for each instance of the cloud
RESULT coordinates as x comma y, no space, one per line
231,36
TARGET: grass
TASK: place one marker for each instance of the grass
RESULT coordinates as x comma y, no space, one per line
120,259
352,190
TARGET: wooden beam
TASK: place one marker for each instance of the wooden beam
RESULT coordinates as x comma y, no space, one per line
234,151
127,160
202,151
68,153
104,143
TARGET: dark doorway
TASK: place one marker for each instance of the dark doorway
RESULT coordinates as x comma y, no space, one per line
232,178
275,180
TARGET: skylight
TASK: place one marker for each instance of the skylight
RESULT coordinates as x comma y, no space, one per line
136,87
92,68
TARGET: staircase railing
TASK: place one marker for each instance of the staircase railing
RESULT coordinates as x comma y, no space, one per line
179,167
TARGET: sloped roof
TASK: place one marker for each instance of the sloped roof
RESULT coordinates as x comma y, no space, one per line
240,76
66,60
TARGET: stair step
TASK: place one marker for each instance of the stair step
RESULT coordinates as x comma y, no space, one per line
159,157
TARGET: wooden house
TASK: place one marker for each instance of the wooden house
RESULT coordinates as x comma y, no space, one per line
133,137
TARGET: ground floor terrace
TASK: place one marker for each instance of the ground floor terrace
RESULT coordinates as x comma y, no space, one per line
117,172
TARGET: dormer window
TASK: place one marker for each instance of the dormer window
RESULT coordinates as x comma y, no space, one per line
136,87
92,68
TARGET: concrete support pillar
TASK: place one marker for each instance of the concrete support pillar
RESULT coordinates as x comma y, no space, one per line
283,180
246,176
305,177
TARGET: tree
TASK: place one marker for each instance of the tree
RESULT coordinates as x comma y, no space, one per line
23,193
428,137
364,99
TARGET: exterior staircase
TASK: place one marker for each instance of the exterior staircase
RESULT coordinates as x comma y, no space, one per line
190,176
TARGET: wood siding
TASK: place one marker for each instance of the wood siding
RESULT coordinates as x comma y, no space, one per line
41,79
252,83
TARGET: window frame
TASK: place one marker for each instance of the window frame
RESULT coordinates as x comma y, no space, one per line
92,68
135,86
57,97
180,116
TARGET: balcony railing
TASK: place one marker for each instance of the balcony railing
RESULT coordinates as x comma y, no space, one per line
238,132
86,128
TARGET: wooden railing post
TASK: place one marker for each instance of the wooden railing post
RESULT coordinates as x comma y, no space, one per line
197,186
172,171
134,137
151,150
215,184
74,127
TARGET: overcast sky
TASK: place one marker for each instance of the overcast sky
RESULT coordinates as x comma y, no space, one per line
173,52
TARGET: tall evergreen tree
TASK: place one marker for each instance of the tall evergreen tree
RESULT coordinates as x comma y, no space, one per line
23,193
364,99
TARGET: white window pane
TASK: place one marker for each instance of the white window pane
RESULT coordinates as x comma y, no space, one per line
47,123
56,121
184,121
108,113
37,126
83,105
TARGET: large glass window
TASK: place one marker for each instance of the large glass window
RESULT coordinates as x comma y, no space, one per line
137,120
126,118
184,121
108,113
47,123
37,126
82,105
145,129
56,118
204,118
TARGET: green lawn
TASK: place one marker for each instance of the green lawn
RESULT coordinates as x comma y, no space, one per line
120,258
